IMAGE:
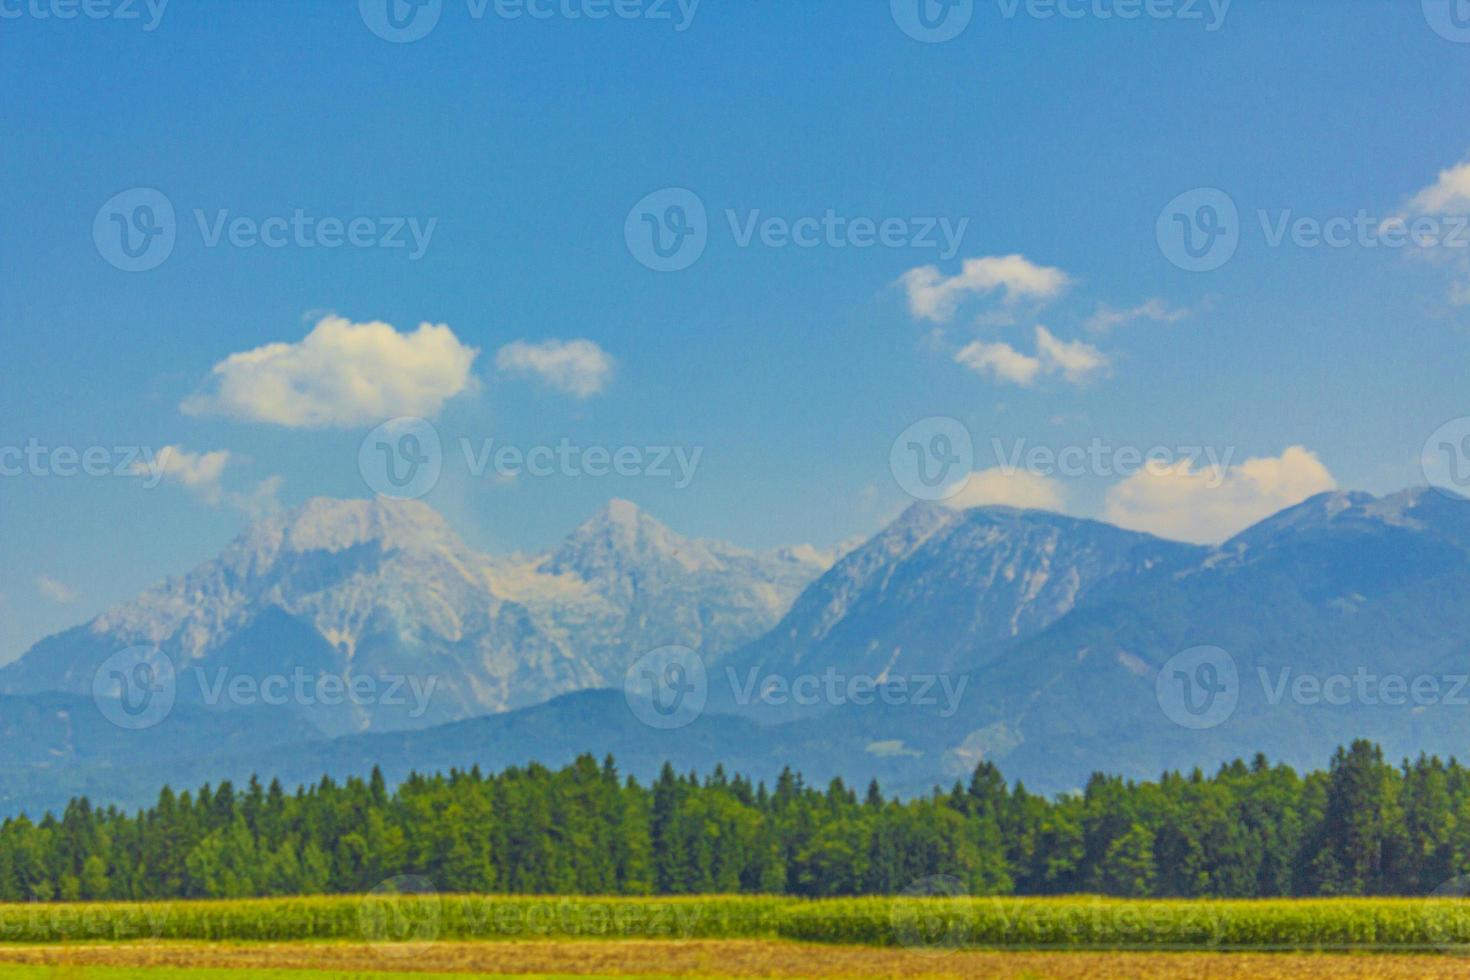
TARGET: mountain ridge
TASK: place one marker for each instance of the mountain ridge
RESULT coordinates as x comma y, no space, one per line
1054,637
944,591
382,587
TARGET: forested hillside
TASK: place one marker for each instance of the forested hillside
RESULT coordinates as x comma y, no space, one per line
1362,827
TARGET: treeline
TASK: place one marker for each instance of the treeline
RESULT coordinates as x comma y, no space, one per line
1363,827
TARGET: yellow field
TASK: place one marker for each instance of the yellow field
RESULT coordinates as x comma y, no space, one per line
701,958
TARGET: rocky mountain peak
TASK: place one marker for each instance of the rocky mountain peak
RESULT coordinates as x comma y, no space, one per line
620,537
1420,509
623,513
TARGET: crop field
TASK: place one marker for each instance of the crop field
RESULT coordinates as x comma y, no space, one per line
924,924
385,936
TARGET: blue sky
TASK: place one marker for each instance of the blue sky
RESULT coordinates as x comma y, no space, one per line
519,149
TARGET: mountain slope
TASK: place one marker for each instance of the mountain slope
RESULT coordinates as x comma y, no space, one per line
1052,634
946,591
1340,587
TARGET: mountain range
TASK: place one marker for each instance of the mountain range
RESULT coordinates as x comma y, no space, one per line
385,590
1049,644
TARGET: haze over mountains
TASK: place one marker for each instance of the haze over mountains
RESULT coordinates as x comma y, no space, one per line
1047,644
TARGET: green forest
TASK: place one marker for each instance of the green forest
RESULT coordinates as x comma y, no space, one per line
1362,827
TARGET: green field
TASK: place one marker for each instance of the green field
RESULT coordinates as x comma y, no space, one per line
998,923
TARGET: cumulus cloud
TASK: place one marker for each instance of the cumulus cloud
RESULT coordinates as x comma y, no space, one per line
1446,203
576,367
1075,360
1004,487
1106,318
1449,194
341,374
197,471
933,296
1000,361
54,591
202,474
1209,504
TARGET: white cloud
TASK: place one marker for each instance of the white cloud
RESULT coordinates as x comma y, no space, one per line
55,591
203,473
1157,310
1446,203
1211,504
1074,360
341,374
197,471
1007,488
577,367
932,296
1449,194
1000,361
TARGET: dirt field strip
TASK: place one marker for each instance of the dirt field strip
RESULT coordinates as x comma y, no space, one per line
742,958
